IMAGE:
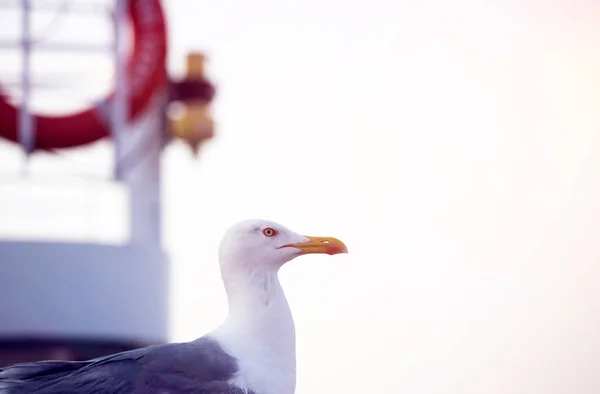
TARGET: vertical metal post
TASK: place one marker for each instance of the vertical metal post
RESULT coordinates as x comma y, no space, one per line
120,107
142,175
26,126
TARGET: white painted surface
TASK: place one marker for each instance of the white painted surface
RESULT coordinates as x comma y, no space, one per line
59,290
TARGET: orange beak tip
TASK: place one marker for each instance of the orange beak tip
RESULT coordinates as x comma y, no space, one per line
332,250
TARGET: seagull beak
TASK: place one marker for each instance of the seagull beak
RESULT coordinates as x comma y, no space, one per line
321,245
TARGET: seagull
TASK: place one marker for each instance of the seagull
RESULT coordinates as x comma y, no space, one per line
252,352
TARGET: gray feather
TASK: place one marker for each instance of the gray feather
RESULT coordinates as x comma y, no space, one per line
200,367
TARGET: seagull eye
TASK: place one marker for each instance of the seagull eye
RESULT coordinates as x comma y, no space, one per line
269,232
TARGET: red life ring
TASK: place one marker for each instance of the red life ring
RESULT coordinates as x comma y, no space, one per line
147,74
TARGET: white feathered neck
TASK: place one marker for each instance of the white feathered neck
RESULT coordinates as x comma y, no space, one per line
259,331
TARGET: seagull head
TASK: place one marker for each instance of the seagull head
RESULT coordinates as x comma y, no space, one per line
263,245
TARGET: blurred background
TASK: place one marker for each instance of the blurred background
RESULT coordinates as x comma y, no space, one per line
453,146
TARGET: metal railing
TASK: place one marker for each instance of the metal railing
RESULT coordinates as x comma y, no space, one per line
27,44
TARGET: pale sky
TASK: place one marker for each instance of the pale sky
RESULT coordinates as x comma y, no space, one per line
452,145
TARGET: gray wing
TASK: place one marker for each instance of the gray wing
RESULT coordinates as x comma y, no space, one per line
200,367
